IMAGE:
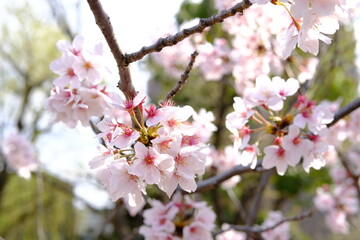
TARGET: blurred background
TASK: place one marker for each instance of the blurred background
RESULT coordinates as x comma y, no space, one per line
62,200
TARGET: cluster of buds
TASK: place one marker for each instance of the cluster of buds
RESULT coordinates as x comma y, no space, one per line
181,218
76,95
160,147
294,134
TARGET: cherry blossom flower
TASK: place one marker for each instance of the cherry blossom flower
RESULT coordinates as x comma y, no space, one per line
75,48
181,218
64,66
277,156
295,145
281,232
19,154
149,165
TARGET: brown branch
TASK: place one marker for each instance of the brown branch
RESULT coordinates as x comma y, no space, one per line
257,198
178,37
250,229
183,79
103,21
214,181
354,177
345,111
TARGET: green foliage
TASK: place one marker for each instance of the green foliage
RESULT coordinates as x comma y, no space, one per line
189,10
27,206
337,72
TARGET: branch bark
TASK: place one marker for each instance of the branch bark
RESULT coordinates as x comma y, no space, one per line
214,181
178,37
250,229
103,21
183,79
341,113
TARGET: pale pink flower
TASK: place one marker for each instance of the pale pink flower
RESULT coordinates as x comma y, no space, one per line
295,144
336,221
130,104
213,59
19,154
175,120
189,162
315,157
196,231
231,235
150,234
89,67
120,183
276,156
160,216
324,201
100,161
149,165
153,115
203,121
123,136
271,92
249,156
236,120
281,232
75,48
314,118
64,66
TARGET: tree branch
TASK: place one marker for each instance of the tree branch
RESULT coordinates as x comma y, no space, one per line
354,177
250,229
103,21
345,111
214,181
178,37
183,79
257,198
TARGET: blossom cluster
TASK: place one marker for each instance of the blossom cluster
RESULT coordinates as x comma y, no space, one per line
19,154
181,218
76,95
253,45
291,135
162,148
281,232
311,20
338,202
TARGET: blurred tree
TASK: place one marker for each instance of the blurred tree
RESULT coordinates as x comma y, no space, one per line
42,207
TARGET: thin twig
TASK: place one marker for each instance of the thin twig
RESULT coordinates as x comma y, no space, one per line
250,229
214,181
103,21
345,111
257,198
183,79
354,177
178,37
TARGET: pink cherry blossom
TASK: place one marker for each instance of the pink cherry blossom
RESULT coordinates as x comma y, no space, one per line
149,165
295,144
336,220
121,183
64,66
89,66
19,154
281,232
276,156
75,48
